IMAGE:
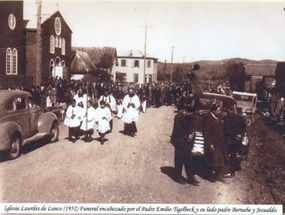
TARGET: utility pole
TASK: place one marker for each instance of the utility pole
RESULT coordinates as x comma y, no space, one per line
171,70
144,57
39,44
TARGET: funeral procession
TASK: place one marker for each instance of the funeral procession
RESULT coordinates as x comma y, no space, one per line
87,123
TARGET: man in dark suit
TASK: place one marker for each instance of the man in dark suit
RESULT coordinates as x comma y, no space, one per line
214,143
182,139
234,129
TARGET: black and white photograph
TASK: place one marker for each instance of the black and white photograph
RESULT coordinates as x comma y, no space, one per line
151,103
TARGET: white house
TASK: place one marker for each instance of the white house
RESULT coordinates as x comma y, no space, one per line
134,67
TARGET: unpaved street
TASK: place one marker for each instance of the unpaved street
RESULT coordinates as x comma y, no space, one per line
123,170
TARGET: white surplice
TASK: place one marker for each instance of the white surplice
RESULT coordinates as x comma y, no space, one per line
103,124
131,114
89,118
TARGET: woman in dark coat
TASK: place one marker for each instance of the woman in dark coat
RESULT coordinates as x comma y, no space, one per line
214,144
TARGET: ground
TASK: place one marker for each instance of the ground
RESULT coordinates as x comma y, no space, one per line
139,169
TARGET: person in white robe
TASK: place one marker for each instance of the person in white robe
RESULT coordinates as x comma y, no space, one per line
73,121
110,102
120,109
131,105
88,122
80,97
103,116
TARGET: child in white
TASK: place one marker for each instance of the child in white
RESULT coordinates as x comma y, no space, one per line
103,116
88,122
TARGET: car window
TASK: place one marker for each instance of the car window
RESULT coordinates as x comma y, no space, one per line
31,103
205,103
10,105
20,103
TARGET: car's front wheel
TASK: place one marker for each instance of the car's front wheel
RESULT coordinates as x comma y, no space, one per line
15,150
54,133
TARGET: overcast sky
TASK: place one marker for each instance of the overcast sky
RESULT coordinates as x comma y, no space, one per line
198,30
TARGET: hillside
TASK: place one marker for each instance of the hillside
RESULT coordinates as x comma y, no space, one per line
209,70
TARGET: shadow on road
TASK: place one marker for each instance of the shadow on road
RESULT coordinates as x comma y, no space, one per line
199,169
26,148
34,145
170,172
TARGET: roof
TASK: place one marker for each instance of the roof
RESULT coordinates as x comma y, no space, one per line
102,57
260,69
81,63
133,54
32,24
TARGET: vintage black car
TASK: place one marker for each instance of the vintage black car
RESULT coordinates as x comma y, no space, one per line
202,103
23,122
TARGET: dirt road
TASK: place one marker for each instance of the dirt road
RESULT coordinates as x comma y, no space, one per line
123,170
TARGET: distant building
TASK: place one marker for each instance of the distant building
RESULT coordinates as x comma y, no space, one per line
104,58
256,73
81,65
56,48
12,43
130,68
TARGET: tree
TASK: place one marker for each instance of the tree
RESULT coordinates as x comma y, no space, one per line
178,74
236,75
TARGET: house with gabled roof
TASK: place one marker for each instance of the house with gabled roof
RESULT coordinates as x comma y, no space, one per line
104,58
81,65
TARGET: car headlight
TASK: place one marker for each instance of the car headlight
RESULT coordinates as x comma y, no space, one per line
245,140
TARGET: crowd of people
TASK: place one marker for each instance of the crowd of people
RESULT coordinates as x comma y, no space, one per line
86,106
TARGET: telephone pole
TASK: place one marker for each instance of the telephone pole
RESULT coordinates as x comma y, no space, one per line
39,44
171,68
144,56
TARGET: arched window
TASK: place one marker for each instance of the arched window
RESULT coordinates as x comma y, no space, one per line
56,41
52,44
15,62
63,46
59,42
8,61
57,61
63,63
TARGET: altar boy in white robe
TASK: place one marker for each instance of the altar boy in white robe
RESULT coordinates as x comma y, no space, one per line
73,121
131,105
110,102
88,122
103,116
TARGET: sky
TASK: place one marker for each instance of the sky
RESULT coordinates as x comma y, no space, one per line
183,30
